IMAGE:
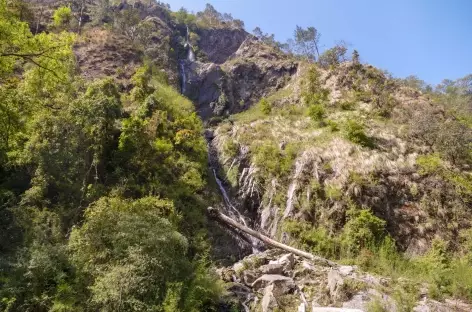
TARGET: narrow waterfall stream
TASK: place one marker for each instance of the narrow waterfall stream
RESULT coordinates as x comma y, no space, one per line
234,213
230,209
183,76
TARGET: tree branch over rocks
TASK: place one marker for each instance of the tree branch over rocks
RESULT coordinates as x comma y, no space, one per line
214,213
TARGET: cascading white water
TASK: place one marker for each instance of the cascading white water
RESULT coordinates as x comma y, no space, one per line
191,54
182,64
234,212
184,77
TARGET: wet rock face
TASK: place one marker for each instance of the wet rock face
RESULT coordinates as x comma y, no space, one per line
220,44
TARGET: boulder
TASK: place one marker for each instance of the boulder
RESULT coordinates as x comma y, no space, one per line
287,261
249,276
335,285
268,303
274,268
281,284
346,270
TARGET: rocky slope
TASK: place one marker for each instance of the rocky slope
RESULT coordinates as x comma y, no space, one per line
327,171
274,281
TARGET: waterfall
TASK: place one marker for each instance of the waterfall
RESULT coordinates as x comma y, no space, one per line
182,63
234,212
183,76
191,54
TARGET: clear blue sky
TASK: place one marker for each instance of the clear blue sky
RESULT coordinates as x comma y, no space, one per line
428,38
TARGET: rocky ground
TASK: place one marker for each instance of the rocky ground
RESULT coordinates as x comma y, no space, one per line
277,281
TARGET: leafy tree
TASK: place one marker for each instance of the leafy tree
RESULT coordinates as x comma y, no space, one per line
184,17
135,258
62,16
306,42
333,56
79,9
355,57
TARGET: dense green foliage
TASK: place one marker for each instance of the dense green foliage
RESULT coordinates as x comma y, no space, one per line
100,208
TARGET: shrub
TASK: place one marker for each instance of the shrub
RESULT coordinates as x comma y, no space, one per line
376,305
62,16
355,132
363,230
273,161
316,112
265,106
333,126
347,105
315,239
332,192
429,164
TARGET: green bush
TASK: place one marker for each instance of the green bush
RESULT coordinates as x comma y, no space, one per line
316,112
429,164
314,239
363,230
265,106
333,126
355,132
347,105
62,16
273,161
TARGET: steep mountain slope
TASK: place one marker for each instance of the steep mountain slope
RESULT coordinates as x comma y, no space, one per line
171,112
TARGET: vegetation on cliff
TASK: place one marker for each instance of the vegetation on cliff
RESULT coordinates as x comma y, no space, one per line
104,178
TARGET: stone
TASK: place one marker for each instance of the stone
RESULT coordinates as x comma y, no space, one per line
268,303
238,267
286,260
282,284
274,268
346,270
335,285
301,307
249,277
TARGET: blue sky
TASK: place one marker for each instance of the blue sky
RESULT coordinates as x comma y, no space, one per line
428,38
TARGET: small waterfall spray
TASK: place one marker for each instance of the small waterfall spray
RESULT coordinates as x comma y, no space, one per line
183,62
183,76
234,213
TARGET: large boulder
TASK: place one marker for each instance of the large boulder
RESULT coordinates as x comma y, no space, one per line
281,284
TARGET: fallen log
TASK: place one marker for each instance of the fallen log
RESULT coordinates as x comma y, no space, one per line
213,212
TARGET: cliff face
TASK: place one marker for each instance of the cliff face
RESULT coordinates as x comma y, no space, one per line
238,75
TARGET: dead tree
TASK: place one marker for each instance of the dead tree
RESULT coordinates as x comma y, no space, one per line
220,216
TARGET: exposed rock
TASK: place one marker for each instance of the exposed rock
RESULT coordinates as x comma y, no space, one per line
346,270
249,276
322,288
287,261
236,76
335,285
268,303
238,267
272,268
220,43
282,284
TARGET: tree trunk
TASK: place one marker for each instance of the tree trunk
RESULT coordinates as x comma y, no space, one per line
220,216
